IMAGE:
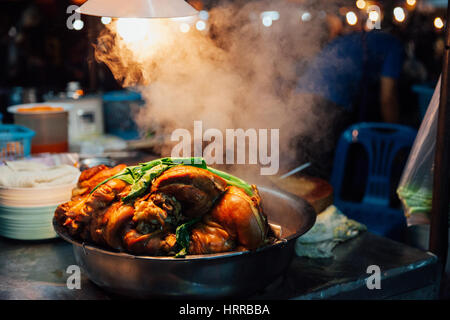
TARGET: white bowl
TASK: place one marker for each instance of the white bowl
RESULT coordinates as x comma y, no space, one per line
27,213
35,235
35,197
27,223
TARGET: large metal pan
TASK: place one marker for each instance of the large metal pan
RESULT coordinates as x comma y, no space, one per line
235,274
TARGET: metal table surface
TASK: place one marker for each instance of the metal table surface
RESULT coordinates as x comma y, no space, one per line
37,270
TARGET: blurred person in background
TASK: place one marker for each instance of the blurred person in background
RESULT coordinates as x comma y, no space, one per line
354,63
352,79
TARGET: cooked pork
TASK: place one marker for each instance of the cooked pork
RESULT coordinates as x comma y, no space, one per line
185,209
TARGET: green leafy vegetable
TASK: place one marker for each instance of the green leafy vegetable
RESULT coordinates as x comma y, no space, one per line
139,187
141,176
232,180
182,253
125,175
183,234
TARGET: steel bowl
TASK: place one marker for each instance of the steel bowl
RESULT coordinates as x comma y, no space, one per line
210,276
92,162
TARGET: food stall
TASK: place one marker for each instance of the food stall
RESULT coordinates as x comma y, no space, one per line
91,216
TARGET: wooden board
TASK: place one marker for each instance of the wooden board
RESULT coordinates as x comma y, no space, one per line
318,192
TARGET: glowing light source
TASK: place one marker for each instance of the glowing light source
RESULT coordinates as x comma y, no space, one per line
360,4
306,16
274,15
399,14
200,25
374,15
438,23
268,17
351,18
78,24
204,15
411,3
267,21
184,27
106,20
132,29
144,36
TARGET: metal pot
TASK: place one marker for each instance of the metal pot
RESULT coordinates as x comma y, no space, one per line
234,274
51,127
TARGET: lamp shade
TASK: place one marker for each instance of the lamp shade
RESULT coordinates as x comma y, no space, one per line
137,8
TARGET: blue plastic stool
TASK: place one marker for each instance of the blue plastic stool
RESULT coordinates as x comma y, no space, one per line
382,142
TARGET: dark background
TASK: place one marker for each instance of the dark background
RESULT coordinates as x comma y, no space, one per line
38,51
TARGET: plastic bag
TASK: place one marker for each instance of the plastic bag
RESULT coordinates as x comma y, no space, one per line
415,189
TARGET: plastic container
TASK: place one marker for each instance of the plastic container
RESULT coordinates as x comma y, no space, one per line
119,108
85,117
51,126
15,141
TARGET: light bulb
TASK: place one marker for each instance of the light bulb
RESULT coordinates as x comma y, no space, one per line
351,18
132,29
399,14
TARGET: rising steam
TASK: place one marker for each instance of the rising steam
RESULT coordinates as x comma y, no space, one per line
236,74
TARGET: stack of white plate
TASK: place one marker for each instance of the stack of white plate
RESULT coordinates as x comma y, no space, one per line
27,213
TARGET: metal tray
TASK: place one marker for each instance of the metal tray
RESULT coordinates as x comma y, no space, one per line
234,274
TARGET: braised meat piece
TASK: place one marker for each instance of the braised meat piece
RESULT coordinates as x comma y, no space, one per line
90,178
82,214
241,216
108,228
196,189
210,237
235,219
217,217
156,211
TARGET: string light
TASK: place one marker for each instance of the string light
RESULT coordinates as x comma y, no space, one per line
411,3
78,24
203,14
351,18
306,16
438,23
360,4
106,20
273,15
184,27
267,21
374,16
399,14
200,25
